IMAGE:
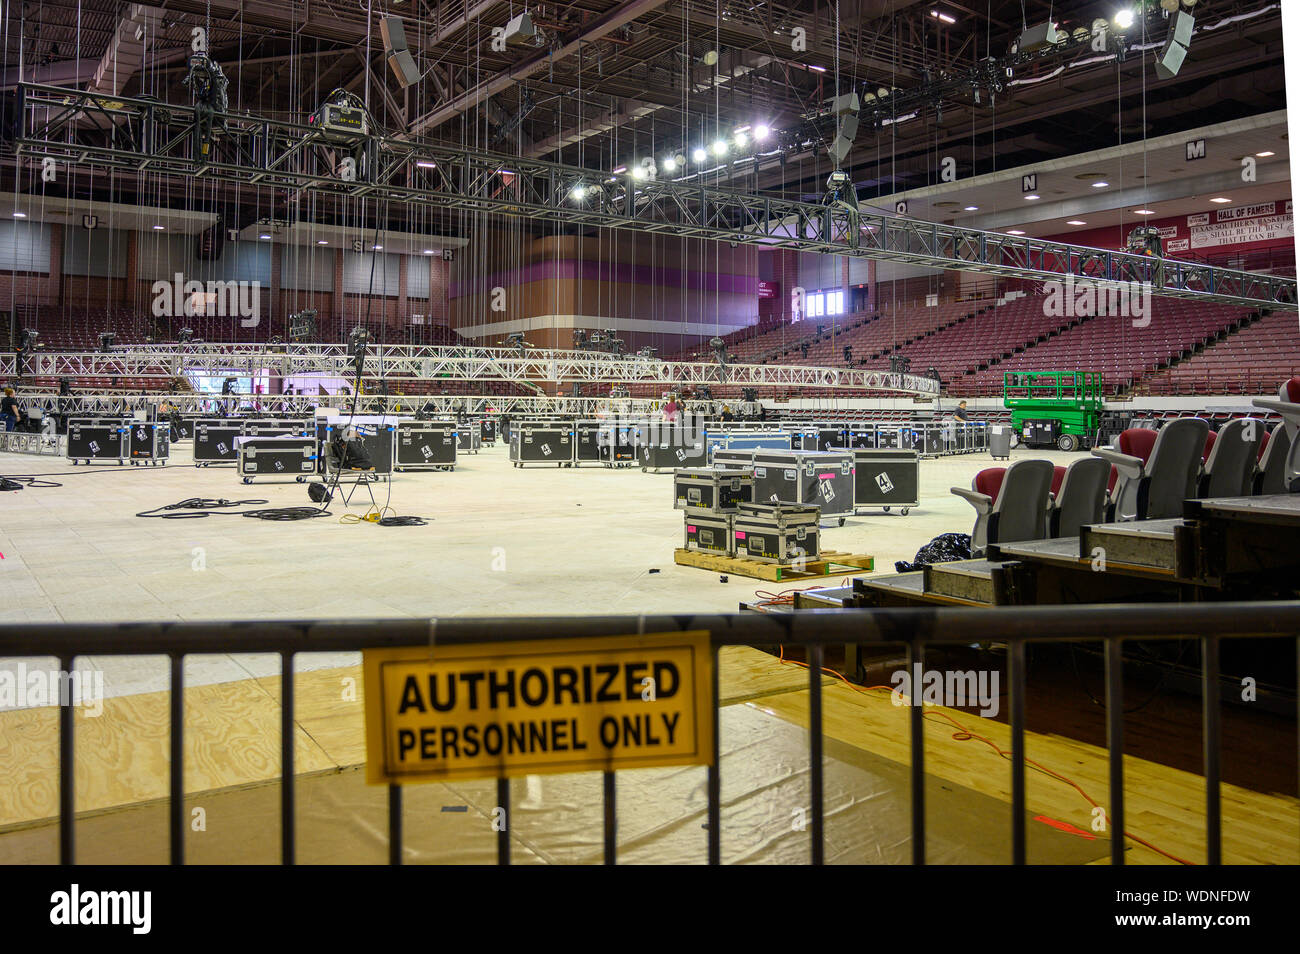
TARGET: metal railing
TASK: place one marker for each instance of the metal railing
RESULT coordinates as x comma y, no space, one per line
813,630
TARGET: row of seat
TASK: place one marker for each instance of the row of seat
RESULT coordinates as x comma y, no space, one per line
1147,475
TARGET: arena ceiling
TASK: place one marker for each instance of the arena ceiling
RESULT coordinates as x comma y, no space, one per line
605,83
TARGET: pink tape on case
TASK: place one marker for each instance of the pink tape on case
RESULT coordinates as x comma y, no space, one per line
689,528
740,534
825,476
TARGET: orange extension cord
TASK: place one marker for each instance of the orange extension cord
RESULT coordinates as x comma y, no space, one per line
963,734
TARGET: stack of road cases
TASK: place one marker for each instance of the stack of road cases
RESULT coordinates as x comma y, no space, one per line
822,479
711,491
775,533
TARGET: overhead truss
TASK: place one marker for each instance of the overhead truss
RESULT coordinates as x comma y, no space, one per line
397,363
145,136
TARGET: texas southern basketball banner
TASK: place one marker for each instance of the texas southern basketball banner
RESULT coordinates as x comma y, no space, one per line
530,708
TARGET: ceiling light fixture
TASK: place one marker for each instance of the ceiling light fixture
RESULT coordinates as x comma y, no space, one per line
699,154
1030,198
1076,222
972,208
1100,185
1143,212
944,17
1220,199
762,131
1015,232
424,164
720,147
1265,154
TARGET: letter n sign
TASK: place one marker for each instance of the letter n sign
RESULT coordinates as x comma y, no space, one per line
1196,149
1029,183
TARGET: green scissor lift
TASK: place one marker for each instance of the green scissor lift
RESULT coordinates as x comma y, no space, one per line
1071,398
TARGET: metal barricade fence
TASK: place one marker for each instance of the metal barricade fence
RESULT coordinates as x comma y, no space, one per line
813,630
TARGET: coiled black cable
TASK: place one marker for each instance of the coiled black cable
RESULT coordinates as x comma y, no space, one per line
194,508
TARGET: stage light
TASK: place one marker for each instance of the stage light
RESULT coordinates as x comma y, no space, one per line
720,147
639,172
761,132
426,165
1124,19
944,17
698,154
578,192
670,164
819,69
620,170
741,139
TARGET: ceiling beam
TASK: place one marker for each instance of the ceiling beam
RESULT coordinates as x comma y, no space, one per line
600,27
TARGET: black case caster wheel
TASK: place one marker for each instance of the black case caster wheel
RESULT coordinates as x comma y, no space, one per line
299,478
841,521
248,480
886,509
905,509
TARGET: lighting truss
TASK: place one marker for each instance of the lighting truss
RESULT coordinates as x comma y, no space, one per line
396,363
74,126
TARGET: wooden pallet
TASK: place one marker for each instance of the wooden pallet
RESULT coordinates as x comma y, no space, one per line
829,563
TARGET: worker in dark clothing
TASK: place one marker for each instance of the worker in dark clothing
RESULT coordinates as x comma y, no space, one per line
726,414
9,410
961,413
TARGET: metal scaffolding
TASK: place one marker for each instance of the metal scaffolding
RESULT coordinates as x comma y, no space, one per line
397,363
145,136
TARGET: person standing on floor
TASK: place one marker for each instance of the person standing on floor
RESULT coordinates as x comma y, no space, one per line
9,410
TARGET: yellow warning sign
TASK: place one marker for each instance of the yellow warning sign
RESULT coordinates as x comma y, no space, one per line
531,708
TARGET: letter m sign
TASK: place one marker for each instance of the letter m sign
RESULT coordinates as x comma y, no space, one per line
1196,149
1029,183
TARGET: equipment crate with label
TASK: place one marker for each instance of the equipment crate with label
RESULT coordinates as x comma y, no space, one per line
469,436
214,441
99,439
281,456
710,533
705,490
668,449
150,442
425,444
542,444
775,533
734,459
886,478
488,429
617,443
822,479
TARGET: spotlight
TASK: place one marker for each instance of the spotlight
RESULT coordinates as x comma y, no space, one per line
639,172
720,147
358,345
670,164
699,155
741,138
578,192
1124,19
761,132
185,335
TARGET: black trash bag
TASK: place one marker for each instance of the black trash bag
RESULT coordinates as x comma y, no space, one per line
942,549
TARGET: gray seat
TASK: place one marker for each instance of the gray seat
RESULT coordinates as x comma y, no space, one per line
1270,471
1153,486
1081,499
1231,464
1010,503
1289,407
